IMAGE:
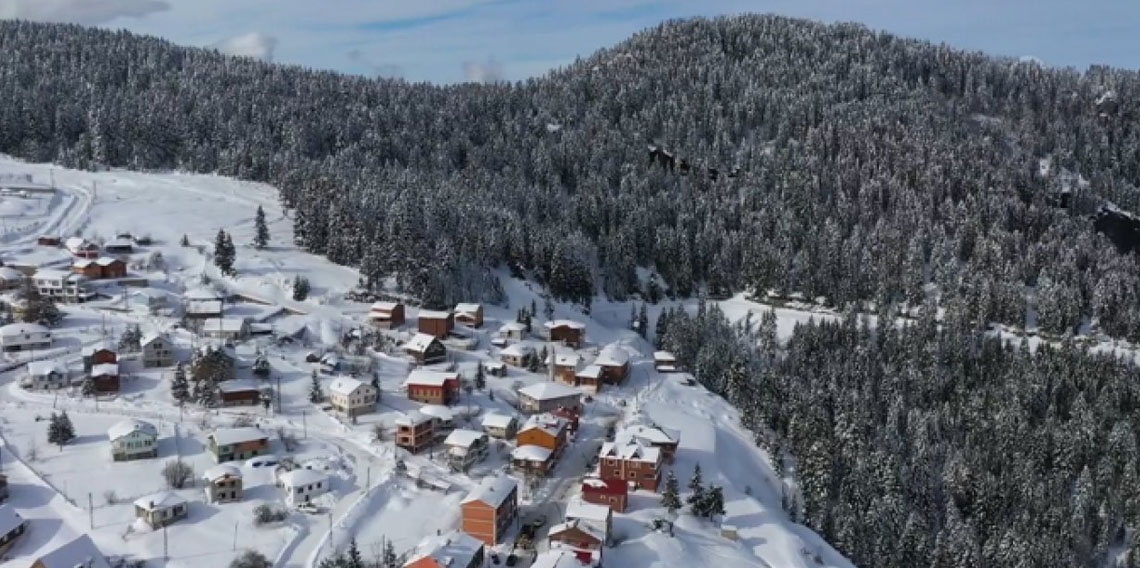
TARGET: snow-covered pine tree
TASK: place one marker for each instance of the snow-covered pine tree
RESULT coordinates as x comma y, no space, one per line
671,497
480,377
301,288
260,229
88,388
208,393
316,393
54,434
696,490
643,321
224,253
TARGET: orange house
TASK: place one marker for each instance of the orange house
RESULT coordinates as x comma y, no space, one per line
490,509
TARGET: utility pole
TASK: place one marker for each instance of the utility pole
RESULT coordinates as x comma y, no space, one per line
332,536
368,480
304,427
165,548
90,511
278,394
235,534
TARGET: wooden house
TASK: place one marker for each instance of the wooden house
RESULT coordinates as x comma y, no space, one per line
565,367
99,354
80,552
455,549
231,444
495,368
48,240
119,245
614,361
584,539
133,439
239,393
433,387
81,247
202,303
613,493
490,509
161,509
470,315
105,377
436,323
532,460
12,527
426,349
568,332
386,315
500,426
664,362
223,484
111,267
548,397
513,331
541,441
590,379
415,431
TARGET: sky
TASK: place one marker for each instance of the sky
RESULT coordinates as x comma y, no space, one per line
449,41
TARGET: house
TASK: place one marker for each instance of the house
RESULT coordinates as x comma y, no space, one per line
148,300
231,444
599,515
48,240
223,483
436,323
631,462
11,279
105,377
547,396
386,315
530,459
585,540
202,303
302,485
544,430
496,368
414,431
664,362
465,448
443,419
81,247
80,552
3,487
111,267
455,549
565,367
161,509
157,351
490,509
48,374
426,349
12,526
664,439
557,559
63,286
133,439
590,379
517,354
613,493
500,426
568,332
432,387
119,245
513,331
329,362
571,417
98,353
614,361
470,315
239,393
352,397
24,336
225,328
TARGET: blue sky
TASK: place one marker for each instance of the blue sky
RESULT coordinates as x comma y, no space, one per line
448,41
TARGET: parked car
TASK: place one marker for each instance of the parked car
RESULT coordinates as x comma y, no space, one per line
262,461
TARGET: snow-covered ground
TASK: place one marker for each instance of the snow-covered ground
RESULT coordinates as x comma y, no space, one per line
370,502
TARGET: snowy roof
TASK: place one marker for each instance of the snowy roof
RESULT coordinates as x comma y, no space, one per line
496,420
202,294
384,306
10,520
346,385
564,323
229,436
512,326
220,471
120,243
517,350
238,386
420,342
433,314
75,242
548,391
531,453
598,532
83,263
108,369
80,552
106,261
646,434
226,325
630,452
150,293
467,308
492,491
301,476
9,273
129,426
547,422
52,274
152,337
14,329
612,356
438,411
412,418
103,345
564,359
463,438
494,365
591,372
454,549
577,508
43,368
429,378
556,559
161,500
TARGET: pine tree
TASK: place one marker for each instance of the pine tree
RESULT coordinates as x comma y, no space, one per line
643,322
696,489
390,558
185,242
480,377
354,558
207,393
301,288
316,394
224,253
261,230
179,386
547,307
88,386
67,427
712,504
55,435
671,498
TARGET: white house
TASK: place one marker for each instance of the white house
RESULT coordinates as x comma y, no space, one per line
161,509
48,375
158,350
148,300
513,331
24,336
223,483
500,426
548,397
302,485
133,439
465,448
202,303
352,397
63,286
226,328
517,354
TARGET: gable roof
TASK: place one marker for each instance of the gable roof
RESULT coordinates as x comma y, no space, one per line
14,329
238,386
130,426
646,434
80,552
492,490
512,326
454,549
564,323
556,559
549,423
107,261
301,476
531,453
631,451
412,418
41,368
664,357
468,308
346,385
430,378
577,508
548,391
612,356
592,530
496,420
228,436
564,359
517,350
10,520
420,342
220,471
383,306
463,438
433,314
438,411
9,273
83,263
591,372
160,500
105,369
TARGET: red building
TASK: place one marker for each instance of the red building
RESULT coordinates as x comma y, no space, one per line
436,323
433,387
613,493
632,463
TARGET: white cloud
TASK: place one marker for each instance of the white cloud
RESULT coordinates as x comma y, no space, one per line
252,44
489,71
79,11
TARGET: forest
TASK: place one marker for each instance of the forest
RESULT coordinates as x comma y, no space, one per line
873,174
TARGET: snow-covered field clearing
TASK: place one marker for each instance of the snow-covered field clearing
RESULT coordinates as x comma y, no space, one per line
371,503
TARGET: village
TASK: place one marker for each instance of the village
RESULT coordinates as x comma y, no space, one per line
160,401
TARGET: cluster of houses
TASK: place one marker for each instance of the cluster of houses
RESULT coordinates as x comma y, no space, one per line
100,362
78,553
